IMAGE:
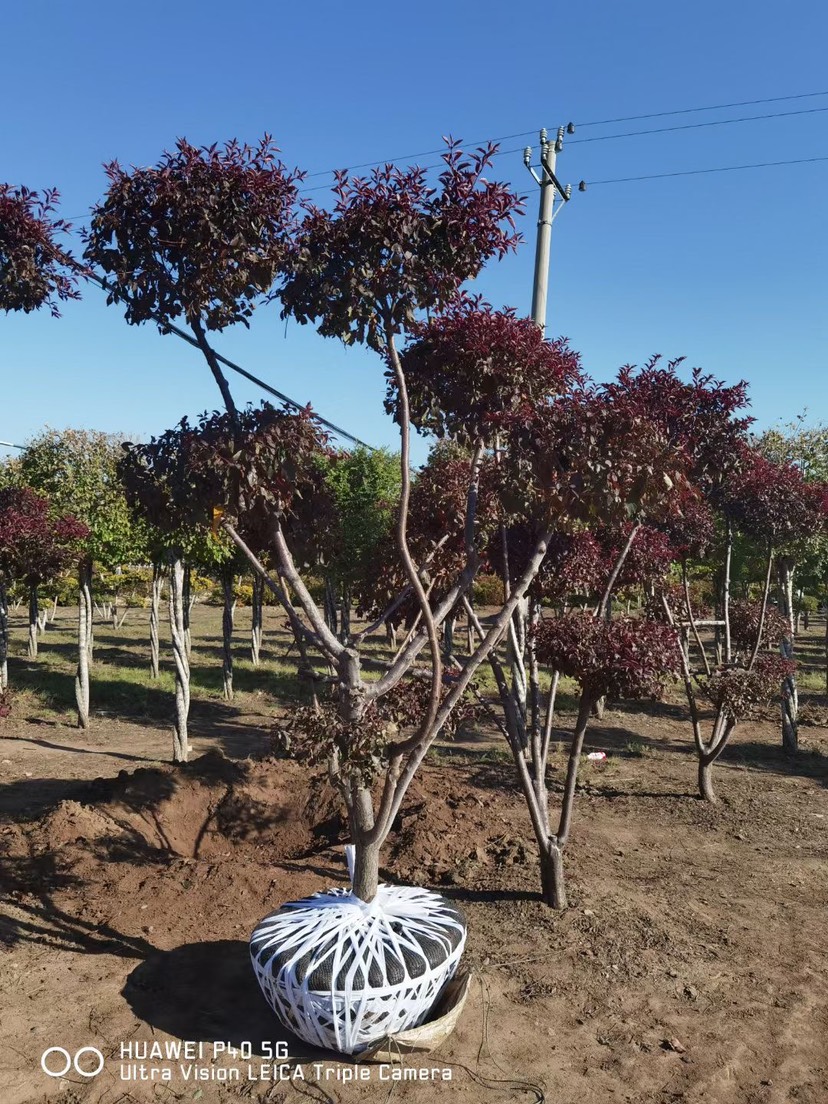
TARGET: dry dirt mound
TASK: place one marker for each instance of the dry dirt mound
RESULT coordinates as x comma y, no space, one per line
202,810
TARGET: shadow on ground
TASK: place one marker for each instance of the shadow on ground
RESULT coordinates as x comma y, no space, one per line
208,992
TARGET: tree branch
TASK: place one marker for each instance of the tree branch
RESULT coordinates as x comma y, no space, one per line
296,623
757,646
603,605
401,597
480,654
287,568
568,800
215,368
692,619
409,566
410,651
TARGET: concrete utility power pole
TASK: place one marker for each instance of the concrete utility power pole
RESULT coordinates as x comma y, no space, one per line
550,190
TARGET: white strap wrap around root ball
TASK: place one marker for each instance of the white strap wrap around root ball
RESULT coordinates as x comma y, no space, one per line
342,973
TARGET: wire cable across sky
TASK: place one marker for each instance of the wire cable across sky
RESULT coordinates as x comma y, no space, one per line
600,122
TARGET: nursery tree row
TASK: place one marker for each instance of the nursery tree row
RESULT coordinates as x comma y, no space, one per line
572,493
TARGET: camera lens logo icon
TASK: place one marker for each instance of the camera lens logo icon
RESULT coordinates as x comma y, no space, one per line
56,1061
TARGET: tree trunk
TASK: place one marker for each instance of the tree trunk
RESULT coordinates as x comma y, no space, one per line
330,605
706,781
33,621
361,806
256,620
155,622
448,638
366,871
4,638
790,695
790,705
227,636
186,607
728,648
84,618
85,580
553,884
345,616
181,746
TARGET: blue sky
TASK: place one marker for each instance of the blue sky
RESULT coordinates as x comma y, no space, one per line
728,269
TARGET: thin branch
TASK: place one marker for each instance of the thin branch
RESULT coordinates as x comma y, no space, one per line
409,652
296,623
287,568
757,646
603,605
687,678
691,618
409,566
481,654
581,726
401,597
726,596
550,716
218,375
383,821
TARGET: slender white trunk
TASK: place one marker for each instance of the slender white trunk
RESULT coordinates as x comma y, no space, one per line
155,619
256,622
33,621
187,606
4,638
84,620
181,746
790,694
90,612
227,636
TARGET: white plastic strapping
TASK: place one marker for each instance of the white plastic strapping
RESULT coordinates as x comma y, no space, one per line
342,973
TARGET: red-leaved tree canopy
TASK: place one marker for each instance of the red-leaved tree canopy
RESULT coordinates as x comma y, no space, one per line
34,270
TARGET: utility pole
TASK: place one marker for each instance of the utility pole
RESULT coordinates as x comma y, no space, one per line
550,190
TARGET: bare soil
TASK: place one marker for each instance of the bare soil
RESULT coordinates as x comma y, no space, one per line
691,966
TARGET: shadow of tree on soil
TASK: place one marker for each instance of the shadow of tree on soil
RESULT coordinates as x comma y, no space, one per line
764,757
208,992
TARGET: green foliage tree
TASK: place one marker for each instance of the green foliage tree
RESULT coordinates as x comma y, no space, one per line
804,446
77,471
365,488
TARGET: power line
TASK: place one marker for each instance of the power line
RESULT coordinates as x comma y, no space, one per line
696,126
594,122
242,372
711,107
633,134
598,138
698,172
422,153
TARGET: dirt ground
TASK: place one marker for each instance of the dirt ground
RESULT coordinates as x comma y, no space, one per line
691,966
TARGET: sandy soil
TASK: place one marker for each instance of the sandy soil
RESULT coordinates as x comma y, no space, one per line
691,967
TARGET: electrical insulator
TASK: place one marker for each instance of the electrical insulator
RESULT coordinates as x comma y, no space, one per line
527,156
